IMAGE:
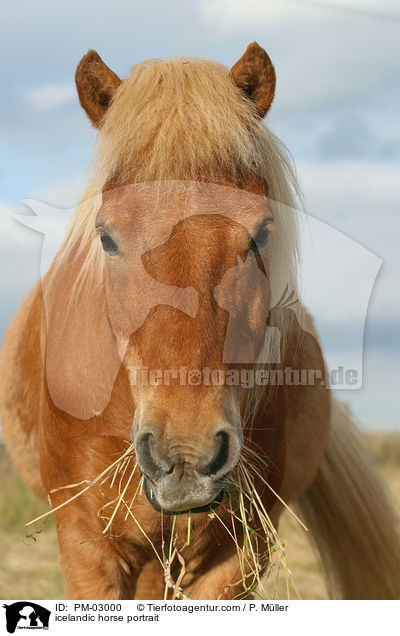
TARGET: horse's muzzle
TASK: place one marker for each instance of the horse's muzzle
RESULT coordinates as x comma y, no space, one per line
180,481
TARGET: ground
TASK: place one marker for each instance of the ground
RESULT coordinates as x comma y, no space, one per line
30,568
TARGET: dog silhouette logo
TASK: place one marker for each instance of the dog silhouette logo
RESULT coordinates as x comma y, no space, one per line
26,615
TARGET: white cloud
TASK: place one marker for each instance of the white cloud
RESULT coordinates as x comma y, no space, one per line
322,57
50,96
228,14
237,13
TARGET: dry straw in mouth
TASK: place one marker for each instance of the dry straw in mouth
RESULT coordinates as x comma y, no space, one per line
260,551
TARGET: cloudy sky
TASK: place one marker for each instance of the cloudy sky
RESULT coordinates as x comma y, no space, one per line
336,108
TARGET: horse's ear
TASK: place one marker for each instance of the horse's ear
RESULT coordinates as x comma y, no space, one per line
254,74
96,85
82,360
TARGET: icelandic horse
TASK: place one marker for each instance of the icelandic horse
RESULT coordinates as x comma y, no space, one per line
189,189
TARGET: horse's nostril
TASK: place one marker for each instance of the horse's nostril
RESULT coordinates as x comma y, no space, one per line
145,456
222,454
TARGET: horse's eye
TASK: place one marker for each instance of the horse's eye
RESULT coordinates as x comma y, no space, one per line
109,246
262,234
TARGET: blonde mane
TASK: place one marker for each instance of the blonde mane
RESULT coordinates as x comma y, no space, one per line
185,119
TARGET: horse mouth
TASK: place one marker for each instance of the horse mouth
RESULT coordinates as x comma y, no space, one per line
209,507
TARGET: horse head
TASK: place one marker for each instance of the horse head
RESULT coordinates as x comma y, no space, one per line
179,240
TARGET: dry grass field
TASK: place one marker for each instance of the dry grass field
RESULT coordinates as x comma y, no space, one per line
30,569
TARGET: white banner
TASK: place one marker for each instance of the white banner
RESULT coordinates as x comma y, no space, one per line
217,617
